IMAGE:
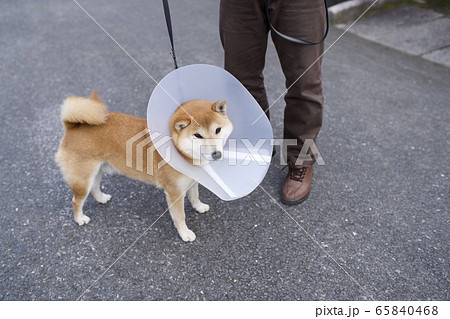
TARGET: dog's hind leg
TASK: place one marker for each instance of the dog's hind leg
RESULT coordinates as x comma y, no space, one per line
175,201
80,176
195,200
79,196
96,191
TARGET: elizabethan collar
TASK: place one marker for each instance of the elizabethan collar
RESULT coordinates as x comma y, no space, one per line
248,151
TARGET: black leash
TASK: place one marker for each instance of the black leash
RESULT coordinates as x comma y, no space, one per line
299,41
169,28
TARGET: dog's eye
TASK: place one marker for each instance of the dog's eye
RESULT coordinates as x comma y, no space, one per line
198,135
218,130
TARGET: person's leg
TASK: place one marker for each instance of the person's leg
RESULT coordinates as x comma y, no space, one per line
243,32
301,66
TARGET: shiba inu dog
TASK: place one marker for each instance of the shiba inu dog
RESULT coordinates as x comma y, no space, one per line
95,143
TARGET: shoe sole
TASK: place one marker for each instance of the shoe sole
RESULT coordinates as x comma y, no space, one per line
294,202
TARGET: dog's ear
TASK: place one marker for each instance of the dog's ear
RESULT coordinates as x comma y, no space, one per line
181,124
94,96
220,107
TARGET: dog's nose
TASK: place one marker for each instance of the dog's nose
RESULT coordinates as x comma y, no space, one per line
216,155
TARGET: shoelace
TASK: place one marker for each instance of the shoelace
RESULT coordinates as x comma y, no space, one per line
296,173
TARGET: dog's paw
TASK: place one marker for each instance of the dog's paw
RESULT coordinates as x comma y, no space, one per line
187,235
103,198
82,220
201,208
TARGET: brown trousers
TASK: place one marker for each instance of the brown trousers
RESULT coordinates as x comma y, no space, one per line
244,31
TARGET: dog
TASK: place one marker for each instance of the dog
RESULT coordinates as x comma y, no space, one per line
95,143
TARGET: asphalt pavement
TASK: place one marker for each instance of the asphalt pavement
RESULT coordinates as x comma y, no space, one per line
376,225
414,27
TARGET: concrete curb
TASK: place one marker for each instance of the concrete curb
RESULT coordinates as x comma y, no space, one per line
349,11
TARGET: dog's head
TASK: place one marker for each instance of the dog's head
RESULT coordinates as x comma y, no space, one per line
200,129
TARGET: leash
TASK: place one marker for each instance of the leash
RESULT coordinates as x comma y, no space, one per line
291,39
169,29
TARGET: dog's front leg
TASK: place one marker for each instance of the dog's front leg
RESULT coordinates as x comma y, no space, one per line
175,201
195,200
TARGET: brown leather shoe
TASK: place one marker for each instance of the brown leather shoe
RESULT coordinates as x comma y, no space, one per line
297,184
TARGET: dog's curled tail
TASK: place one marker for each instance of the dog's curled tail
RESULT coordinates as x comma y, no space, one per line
82,110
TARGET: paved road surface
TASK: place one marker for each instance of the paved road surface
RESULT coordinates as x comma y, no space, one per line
375,226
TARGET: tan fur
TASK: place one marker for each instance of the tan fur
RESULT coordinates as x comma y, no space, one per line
76,109
95,138
206,117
